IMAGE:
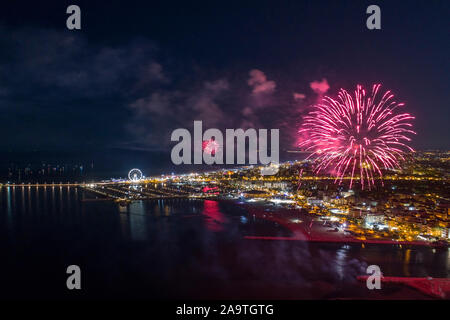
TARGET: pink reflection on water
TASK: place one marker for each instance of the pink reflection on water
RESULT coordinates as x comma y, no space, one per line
213,217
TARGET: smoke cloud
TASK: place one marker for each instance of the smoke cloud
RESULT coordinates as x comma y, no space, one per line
320,87
298,96
258,81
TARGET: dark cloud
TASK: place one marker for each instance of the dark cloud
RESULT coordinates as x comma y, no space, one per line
57,60
162,111
61,90
79,93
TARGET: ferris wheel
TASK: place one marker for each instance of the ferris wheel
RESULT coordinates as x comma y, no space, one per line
135,175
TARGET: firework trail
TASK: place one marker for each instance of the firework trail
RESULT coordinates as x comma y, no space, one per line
357,135
300,174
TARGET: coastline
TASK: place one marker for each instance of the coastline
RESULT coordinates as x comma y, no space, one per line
304,227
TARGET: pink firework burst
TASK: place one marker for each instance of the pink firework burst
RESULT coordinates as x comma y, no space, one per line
357,136
210,146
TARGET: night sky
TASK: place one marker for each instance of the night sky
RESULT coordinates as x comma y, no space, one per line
138,70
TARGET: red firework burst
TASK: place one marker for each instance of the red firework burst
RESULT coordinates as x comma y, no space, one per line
210,147
357,135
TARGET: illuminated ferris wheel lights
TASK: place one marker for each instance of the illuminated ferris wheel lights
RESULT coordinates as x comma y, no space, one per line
135,175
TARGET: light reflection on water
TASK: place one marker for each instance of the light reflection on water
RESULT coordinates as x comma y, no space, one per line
341,258
136,220
176,242
214,217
